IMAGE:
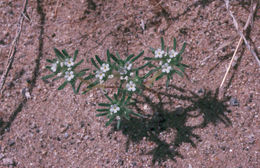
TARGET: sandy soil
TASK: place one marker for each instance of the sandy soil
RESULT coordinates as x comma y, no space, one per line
195,126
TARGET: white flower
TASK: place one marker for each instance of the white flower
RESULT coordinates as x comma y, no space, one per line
110,76
69,62
160,63
105,67
159,53
126,77
131,74
61,64
54,67
168,60
59,74
100,75
128,66
166,68
118,117
69,75
114,108
173,53
131,86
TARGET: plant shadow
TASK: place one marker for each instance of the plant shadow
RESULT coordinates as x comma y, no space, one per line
207,106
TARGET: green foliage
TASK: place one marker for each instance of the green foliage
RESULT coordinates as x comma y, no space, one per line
122,73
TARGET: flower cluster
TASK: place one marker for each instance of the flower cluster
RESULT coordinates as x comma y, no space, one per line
100,74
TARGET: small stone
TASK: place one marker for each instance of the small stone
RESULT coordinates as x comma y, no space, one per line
2,156
8,161
234,101
66,135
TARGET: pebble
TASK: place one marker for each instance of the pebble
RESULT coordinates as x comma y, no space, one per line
234,101
66,135
2,156
179,111
8,161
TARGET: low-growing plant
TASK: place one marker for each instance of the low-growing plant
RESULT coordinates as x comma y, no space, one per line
123,74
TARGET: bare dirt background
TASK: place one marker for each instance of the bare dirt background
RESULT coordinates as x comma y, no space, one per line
195,126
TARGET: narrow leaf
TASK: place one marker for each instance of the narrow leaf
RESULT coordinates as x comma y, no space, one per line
174,44
101,114
110,120
48,76
102,110
118,124
138,56
91,76
114,58
94,63
162,43
75,55
75,66
129,57
59,54
93,84
63,85
65,53
99,60
160,76
104,104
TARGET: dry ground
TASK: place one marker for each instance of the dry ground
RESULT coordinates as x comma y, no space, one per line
195,126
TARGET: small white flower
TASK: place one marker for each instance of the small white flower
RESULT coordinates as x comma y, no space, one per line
61,64
100,75
128,66
131,86
105,67
126,77
159,53
54,67
59,74
69,75
168,60
110,76
131,74
122,78
122,71
166,68
160,63
114,108
173,53
118,117
69,69
69,62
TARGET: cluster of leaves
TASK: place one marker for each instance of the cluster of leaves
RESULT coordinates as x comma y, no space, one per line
122,73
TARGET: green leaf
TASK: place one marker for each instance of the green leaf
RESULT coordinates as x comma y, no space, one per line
99,60
108,57
75,55
93,84
104,104
174,44
114,58
152,49
94,63
102,114
65,53
160,76
149,73
144,65
162,43
59,54
138,56
129,57
110,120
123,98
63,85
167,82
84,70
79,87
183,48
178,72
136,114
91,76
50,61
80,74
148,58
48,76
59,77
75,66
118,124
101,110
109,98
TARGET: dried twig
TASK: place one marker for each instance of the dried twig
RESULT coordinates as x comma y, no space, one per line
250,18
14,46
240,33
